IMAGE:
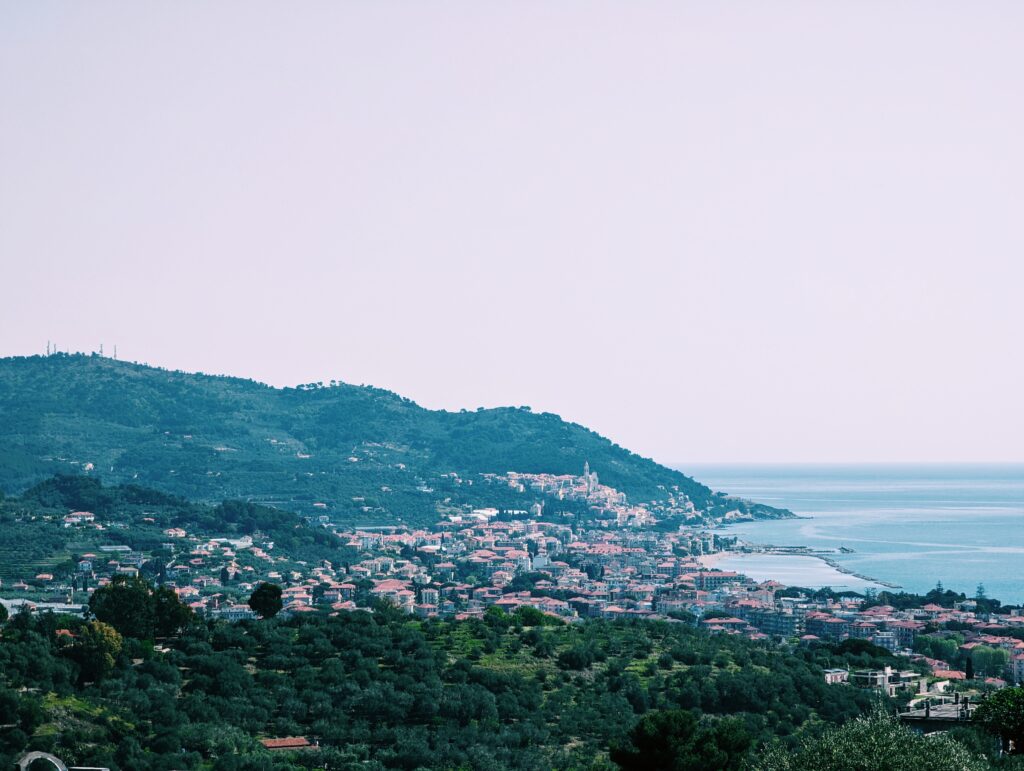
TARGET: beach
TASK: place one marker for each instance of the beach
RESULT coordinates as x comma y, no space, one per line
712,561
793,570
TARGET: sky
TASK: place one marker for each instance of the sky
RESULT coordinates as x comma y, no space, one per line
714,232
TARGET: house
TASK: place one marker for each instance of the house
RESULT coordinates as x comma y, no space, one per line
827,627
889,680
862,630
287,744
234,613
834,676
887,640
905,631
76,518
1017,666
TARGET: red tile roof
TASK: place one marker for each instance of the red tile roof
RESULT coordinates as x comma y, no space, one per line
286,743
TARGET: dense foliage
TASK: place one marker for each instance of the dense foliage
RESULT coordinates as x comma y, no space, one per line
136,609
1002,714
876,742
370,454
383,691
678,740
266,600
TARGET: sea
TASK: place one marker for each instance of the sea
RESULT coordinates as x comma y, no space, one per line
908,525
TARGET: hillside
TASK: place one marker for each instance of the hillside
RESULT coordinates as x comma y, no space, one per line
361,453
34,538
381,692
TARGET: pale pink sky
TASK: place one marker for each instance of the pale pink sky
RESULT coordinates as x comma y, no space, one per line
711,231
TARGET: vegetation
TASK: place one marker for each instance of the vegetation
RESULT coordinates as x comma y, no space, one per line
136,609
1002,714
678,740
96,650
382,690
368,455
876,742
266,600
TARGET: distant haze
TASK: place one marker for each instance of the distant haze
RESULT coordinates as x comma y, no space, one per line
711,231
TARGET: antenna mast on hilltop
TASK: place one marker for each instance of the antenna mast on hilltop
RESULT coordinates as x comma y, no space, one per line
47,347
115,351
101,349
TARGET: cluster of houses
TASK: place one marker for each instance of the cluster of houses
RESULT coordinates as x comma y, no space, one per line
468,563
836,620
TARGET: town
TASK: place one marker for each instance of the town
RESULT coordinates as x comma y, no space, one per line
618,565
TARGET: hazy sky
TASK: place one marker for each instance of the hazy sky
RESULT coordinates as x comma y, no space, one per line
711,231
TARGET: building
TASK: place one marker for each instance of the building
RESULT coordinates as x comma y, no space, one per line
827,627
233,613
905,632
835,676
885,640
707,580
776,623
287,744
1017,665
889,680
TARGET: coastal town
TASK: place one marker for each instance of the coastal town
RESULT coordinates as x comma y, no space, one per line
484,561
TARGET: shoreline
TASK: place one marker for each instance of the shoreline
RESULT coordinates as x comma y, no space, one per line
713,561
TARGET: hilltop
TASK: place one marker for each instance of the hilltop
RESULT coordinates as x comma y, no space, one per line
354,453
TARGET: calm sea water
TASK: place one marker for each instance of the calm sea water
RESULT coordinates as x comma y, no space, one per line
910,525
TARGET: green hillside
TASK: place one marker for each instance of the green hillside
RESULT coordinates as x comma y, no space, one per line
33,539
382,691
364,454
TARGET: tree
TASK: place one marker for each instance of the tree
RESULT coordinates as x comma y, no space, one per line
944,648
989,661
527,615
135,609
96,649
126,604
170,614
677,740
1002,714
496,617
3,613
876,742
266,600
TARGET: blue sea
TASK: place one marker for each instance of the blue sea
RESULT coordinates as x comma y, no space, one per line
907,524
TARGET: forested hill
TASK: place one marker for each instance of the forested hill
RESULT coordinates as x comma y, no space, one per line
366,453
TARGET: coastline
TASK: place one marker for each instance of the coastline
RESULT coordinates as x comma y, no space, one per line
785,562
711,561
910,524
